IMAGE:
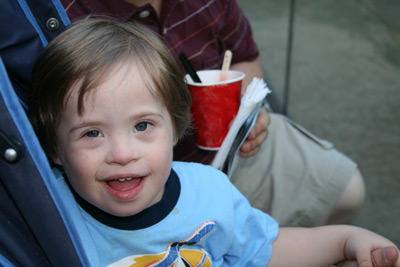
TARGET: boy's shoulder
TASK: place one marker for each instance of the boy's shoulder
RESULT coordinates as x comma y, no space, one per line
197,171
188,167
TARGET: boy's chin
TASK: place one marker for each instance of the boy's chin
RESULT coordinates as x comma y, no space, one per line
123,213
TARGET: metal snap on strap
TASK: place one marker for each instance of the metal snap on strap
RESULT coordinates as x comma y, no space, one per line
52,24
11,155
10,150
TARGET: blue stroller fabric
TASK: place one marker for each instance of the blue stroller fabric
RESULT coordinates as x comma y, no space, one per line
34,230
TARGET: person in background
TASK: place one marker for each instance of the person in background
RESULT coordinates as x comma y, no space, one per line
284,170
108,103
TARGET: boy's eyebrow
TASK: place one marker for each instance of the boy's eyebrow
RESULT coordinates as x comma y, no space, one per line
147,114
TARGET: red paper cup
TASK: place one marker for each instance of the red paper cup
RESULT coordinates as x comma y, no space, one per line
214,105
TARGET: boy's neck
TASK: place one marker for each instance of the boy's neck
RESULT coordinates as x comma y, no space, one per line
143,219
155,3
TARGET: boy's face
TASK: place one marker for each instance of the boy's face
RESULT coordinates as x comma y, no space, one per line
118,153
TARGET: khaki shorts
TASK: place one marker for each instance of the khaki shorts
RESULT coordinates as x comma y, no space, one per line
296,177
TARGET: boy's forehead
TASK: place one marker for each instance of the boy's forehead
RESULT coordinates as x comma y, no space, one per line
83,92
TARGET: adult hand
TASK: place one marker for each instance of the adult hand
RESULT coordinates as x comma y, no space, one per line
256,136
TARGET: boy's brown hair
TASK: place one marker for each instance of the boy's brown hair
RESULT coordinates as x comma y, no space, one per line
84,54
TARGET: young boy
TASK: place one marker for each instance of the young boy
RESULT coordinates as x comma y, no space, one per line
108,104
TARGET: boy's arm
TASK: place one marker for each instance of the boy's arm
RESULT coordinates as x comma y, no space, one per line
327,245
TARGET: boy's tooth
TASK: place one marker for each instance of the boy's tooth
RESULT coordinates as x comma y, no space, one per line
125,179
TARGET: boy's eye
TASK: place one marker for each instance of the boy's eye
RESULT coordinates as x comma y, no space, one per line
93,133
141,126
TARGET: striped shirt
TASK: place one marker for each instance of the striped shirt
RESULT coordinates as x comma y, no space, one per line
201,29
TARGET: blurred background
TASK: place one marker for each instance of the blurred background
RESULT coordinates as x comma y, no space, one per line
344,85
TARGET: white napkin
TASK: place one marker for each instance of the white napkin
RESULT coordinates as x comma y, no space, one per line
250,104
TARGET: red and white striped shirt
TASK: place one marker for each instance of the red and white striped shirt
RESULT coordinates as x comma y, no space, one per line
201,29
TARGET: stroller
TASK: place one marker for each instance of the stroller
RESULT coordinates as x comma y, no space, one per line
36,222
35,228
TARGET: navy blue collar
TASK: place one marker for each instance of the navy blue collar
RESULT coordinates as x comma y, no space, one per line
143,219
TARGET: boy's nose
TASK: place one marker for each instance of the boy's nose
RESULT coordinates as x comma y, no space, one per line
122,151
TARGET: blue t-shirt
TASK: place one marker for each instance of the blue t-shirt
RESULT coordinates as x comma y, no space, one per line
202,220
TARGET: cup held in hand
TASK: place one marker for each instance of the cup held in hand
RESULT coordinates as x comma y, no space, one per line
214,105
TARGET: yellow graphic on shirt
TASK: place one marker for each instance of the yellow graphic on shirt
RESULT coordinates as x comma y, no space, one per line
187,258
177,254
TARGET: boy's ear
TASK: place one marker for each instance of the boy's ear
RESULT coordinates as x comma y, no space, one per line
56,158
57,161
176,139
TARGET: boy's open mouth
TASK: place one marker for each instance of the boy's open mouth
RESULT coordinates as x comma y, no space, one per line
124,184
126,188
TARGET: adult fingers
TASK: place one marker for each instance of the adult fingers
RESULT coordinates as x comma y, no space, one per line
251,146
